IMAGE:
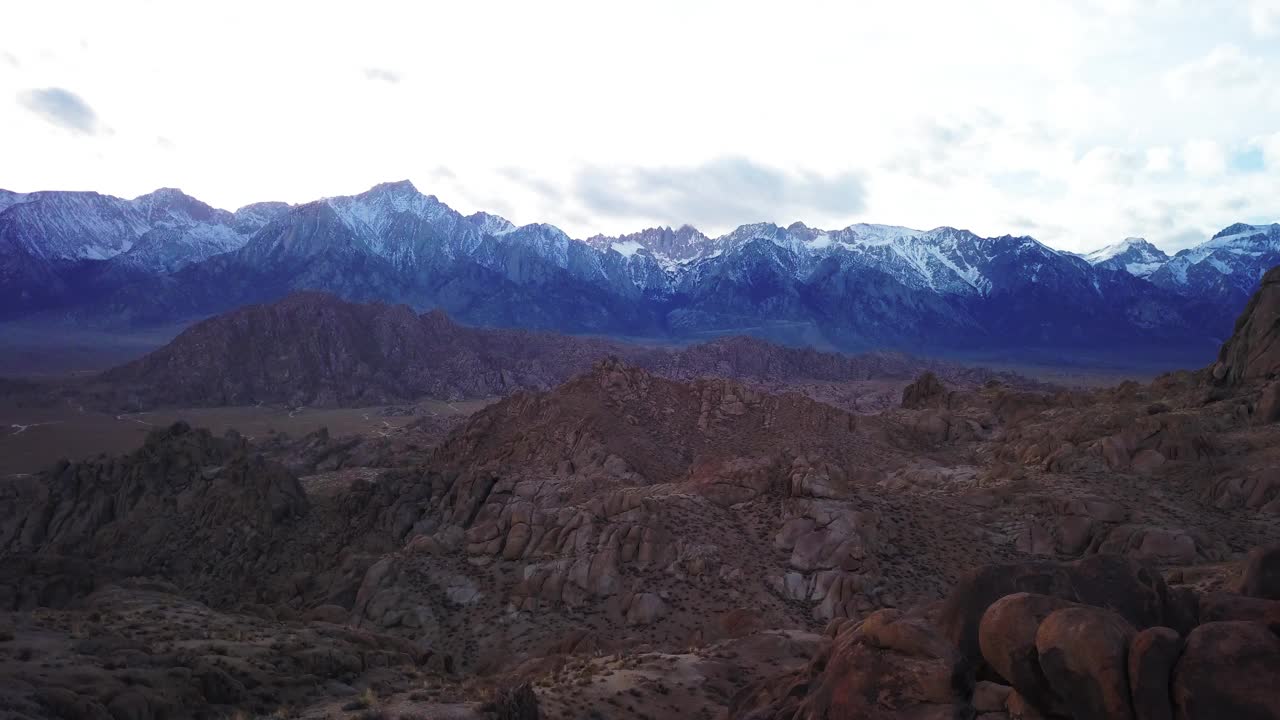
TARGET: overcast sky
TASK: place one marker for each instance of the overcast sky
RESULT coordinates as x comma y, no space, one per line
1079,123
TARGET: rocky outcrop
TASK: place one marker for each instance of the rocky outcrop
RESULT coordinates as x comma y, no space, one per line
891,665
205,511
926,391
1252,353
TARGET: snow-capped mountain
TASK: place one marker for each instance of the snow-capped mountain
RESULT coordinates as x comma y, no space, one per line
1134,255
160,231
165,255
1225,269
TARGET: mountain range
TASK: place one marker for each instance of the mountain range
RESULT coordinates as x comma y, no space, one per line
93,259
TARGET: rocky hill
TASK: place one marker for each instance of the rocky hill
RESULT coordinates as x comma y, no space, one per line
315,349
633,545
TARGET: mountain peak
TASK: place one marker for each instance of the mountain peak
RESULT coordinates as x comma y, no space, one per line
165,196
397,187
490,223
1236,229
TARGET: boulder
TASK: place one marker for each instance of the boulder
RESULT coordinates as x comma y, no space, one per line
1260,576
1268,408
894,666
1007,637
1084,656
989,697
1228,670
1223,606
335,614
1164,546
646,609
1152,656
1122,584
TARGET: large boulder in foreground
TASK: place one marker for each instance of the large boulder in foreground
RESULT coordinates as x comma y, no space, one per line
1152,656
1007,636
1124,585
1084,654
1228,670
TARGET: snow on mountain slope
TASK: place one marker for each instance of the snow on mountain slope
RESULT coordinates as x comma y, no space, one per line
251,218
856,284
73,225
491,224
1134,255
1226,267
8,199
159,232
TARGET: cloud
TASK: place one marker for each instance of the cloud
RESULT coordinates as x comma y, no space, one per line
442,173
164,143
720,193
1204,158
1159,159
546,190
1270,147
382,75
1264,17
935,152
11,59
1226,67
1111,165
61,107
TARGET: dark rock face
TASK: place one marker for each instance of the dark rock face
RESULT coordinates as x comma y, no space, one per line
1253,352
1152,656
1260,577
1228,670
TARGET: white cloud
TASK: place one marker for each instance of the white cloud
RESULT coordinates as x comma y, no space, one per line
1159,159
1270,146
1204,158
1264,17
1225,67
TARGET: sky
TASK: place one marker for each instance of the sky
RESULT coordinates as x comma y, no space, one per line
1079,123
